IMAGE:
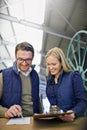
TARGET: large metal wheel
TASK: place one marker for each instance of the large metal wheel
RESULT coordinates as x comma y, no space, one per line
77,54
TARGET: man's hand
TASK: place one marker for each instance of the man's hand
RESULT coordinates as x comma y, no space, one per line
13,111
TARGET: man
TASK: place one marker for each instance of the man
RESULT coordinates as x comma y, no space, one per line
19,85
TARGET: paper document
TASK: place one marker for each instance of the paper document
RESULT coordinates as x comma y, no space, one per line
25,120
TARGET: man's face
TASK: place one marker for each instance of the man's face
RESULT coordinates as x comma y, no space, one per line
24,60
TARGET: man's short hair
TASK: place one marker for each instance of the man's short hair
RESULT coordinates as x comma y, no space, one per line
24,46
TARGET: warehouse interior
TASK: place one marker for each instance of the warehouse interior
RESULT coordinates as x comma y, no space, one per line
45,24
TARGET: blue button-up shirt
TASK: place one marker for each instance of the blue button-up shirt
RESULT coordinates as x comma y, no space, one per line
68,93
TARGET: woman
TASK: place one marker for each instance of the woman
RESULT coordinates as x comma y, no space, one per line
64,86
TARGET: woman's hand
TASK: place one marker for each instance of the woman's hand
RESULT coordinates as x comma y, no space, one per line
68,117
13,111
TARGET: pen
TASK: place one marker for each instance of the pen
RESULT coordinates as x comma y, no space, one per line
21,116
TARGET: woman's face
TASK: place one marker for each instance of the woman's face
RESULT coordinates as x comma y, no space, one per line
53,65
24,60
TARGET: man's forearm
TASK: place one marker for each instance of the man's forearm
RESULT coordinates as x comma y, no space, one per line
2,111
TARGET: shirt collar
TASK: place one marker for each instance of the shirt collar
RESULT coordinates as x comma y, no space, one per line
25,73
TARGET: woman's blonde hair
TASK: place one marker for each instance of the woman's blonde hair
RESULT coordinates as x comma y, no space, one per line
58,53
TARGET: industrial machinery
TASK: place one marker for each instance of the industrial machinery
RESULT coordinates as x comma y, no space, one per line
77,54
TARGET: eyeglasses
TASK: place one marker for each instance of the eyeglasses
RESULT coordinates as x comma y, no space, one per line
21,60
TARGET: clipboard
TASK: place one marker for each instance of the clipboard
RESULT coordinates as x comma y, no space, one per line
49,115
